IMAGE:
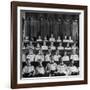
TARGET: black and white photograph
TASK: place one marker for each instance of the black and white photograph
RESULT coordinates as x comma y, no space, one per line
49,44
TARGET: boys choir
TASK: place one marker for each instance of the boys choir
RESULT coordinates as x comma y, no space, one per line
50,57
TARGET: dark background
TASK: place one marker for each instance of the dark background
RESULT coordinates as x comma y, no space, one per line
35,23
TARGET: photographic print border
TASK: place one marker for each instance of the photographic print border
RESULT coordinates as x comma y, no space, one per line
14,31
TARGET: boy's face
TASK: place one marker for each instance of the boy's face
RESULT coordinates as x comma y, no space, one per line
45,38
65,37
74,44
27,38
52,61
59,37
57,52
61,62
52,58
72,63
60,44
28,63
74,51
51,35
68,45
59,19
39,37
44,43
70,38
40,64
65,53
38,45
51,43
31,51
40,52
